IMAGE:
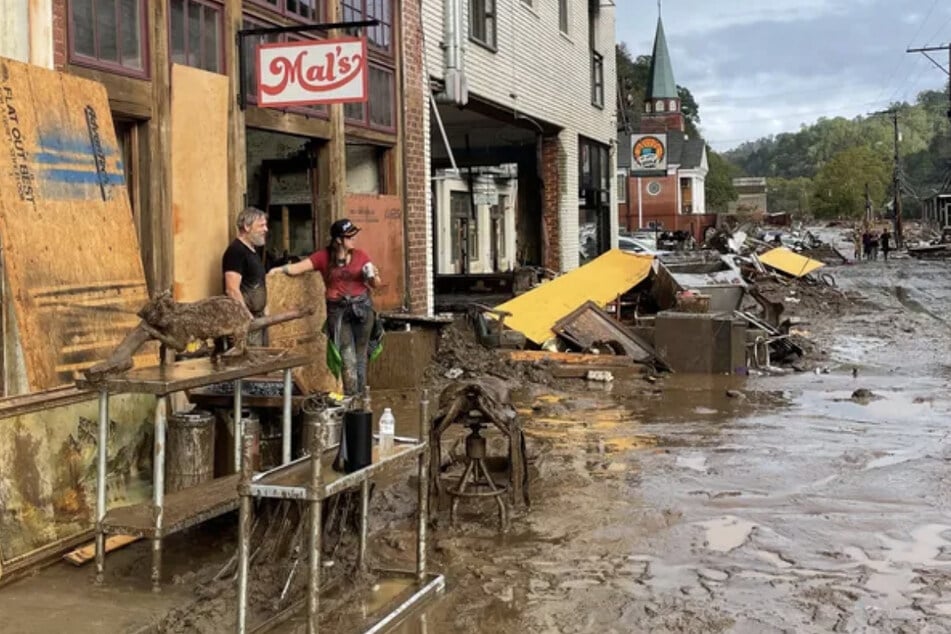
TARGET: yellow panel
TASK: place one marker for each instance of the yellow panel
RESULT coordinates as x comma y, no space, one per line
790,263
199,181
601,281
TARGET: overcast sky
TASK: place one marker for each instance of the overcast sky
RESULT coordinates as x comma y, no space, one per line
761,67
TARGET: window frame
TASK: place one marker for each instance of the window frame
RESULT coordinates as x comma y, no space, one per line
81,59
597,79
389,50
281,10
223,52
563,21
487,16
621,185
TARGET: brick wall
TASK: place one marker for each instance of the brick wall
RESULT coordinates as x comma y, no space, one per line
59,34
416,163
551,203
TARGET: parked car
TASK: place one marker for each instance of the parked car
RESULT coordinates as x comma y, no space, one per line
633,245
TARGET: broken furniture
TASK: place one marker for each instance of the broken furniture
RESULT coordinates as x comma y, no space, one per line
701,343
304,480
491,333
478,405
704,272
589,327
169,514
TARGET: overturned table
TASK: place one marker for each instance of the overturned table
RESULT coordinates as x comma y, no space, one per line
166,515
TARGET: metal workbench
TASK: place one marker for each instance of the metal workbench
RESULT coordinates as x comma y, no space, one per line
165,515
304,480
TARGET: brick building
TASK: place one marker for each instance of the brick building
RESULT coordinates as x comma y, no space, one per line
522,134
661,168
305,166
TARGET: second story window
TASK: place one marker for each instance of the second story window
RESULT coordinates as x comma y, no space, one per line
301,10
597,79
195,34
482,22
563,15
380,36
110,34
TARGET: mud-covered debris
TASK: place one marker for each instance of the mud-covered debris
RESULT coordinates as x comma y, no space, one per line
862,394
735,394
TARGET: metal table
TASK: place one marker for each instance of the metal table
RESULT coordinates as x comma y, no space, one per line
166,515
303,480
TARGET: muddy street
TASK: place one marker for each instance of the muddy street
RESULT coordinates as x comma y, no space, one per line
787,505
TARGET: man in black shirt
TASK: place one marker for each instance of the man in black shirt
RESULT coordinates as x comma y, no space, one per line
243,267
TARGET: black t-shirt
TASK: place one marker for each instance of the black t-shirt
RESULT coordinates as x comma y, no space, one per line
247,263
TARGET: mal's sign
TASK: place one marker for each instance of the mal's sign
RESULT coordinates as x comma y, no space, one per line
312,72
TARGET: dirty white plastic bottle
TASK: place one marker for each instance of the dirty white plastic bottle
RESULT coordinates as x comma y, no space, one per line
387,430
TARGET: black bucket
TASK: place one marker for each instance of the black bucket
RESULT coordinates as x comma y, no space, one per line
358,440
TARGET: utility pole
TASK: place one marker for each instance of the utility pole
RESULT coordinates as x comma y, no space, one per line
868,207
947,71
896,179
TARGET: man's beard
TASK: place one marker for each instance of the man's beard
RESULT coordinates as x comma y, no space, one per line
258,240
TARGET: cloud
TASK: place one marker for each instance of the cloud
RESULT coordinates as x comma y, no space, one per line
772,67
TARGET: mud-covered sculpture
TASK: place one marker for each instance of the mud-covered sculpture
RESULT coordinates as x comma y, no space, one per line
176,324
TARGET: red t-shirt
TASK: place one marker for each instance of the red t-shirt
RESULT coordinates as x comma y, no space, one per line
341,281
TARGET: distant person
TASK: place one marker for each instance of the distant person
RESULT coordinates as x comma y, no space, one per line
885,241
873,247
857,244
866,244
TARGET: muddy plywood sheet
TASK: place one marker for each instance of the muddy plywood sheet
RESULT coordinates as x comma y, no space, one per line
48,470
380,219
789,262
199,181
589,326
71,254
403,362
303,335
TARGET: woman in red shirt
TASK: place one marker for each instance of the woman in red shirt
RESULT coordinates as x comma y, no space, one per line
349,275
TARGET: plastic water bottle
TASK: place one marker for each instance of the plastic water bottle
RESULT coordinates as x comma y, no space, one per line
387,430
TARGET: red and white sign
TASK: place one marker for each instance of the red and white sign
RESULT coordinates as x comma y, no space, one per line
313,72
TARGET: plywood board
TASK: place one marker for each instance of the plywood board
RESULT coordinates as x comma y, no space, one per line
200,213
86,553
534,313
302,335
71,254
380,219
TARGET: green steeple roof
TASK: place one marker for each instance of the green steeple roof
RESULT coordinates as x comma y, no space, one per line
661,84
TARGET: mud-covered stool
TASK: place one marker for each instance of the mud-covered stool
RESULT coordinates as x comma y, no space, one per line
479,405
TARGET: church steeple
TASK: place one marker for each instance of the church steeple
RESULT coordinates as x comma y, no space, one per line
661,101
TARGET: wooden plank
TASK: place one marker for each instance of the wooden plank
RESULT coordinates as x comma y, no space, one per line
199,173
237,154
63,173
581,371
287,122
160,150
304,335
127,96
380,219
569,358
88,552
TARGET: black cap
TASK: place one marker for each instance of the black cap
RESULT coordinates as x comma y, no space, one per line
343,228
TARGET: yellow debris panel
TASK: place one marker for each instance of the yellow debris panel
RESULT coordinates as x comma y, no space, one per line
601,281
789,262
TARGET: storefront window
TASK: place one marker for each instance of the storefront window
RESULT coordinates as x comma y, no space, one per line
195,34
594,237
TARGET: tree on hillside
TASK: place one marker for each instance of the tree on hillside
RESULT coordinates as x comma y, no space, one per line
718,187
840,184
790,195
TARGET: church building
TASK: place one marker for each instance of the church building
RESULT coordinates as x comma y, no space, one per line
661,168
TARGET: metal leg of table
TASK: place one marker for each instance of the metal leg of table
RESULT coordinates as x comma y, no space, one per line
101,459
364,521
158,491
237,425
245,520
314,539
423,478
286,419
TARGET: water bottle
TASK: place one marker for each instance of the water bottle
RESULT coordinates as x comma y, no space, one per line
387,430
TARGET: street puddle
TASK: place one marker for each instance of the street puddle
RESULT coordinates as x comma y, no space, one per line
695,462
728,533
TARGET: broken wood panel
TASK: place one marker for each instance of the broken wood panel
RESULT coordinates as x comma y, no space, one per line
62,183
86,553
567,371
304,335
589,325
48,470
380,219
200,212
569,358
403,362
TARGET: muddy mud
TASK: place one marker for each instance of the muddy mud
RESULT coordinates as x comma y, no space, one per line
792,501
